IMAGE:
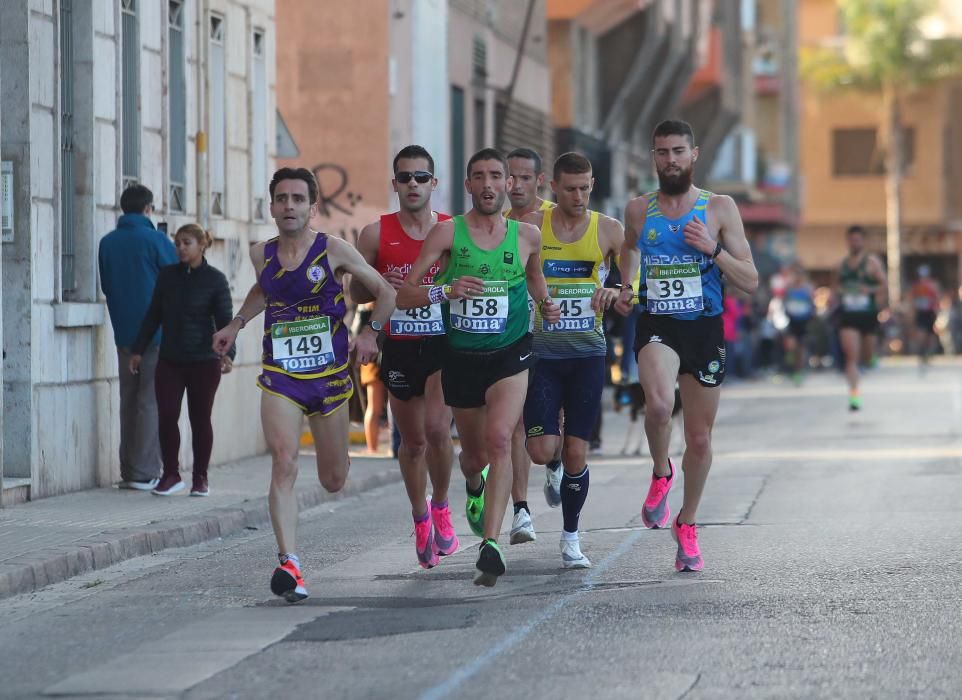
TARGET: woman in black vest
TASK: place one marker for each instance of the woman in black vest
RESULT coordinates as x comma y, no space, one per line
191,302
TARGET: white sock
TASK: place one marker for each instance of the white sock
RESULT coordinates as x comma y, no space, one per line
569,536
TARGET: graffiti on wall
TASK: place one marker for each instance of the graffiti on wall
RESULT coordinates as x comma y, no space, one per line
333,192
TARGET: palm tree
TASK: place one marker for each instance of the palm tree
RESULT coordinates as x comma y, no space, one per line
885,52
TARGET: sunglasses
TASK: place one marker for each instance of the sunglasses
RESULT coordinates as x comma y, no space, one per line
420,176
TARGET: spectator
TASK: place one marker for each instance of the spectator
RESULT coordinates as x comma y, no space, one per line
130,258
191,301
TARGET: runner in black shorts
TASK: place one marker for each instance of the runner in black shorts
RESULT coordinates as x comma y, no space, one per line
860,291
576,247
413,342
686,239
489,267
925,305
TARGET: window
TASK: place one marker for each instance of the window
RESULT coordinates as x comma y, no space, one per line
177,104
130,91
68,279
258,126
855,152
457,149
218,123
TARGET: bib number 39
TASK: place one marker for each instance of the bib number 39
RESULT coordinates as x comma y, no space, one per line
674,289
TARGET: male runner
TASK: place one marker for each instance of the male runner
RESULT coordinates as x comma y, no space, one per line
861,293
576,244
305,351
411,355
489,265
686,238
925,306
527,175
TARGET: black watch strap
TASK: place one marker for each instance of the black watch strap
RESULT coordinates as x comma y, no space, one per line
718,250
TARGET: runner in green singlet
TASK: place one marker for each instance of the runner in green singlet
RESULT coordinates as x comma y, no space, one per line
489,265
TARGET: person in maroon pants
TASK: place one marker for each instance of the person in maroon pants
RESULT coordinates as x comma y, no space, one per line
191,301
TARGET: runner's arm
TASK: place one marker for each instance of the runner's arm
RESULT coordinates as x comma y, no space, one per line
254,304
878,272
348,260
411,295
534,274
630,257
367,245
611,236
735,258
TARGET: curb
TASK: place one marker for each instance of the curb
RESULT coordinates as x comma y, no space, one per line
56,564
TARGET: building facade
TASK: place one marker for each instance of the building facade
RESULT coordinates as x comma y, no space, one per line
617,69
178,96
842,168
451,75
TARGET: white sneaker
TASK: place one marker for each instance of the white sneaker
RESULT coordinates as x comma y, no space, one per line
522,529
139,485
571,555
552,486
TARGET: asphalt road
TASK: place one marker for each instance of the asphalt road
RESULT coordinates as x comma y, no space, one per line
832,570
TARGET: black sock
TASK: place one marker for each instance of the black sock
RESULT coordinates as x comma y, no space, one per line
574,491
554,465
472,492
519,505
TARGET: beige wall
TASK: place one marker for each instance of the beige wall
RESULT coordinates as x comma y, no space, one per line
332,90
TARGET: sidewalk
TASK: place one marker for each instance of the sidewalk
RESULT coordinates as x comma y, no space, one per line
53,539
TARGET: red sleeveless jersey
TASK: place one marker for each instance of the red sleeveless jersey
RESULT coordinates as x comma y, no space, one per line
397,252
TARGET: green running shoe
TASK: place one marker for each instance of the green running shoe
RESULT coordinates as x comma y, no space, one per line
490,564
854,402
474,508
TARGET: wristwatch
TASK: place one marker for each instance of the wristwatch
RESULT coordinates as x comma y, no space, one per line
376,326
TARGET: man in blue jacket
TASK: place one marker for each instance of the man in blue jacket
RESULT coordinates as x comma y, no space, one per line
130,259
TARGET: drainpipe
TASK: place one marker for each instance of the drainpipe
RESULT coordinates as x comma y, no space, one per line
203,184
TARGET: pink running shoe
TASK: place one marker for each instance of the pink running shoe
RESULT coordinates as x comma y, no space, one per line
655,512
445,539
424,543
689,556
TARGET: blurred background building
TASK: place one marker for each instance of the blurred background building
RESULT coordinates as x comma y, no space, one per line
843,168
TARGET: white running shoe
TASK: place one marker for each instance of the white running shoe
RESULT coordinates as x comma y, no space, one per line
522,529
552,485
571,555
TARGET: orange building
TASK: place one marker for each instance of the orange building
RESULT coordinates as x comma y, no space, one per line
842,173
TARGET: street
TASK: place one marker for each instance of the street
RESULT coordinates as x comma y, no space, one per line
831,570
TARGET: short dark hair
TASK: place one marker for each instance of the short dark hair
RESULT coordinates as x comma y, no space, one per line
571,163
855,228
674,127
414,151
487,154
135,199
295,174
528,154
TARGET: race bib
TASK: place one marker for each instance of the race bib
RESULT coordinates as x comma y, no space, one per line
303,346
856,302
924,304
487,313
674,288
424,320
576,312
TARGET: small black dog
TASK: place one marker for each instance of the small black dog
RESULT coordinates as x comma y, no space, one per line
633,396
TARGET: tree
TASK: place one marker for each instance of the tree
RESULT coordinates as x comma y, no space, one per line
885,52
